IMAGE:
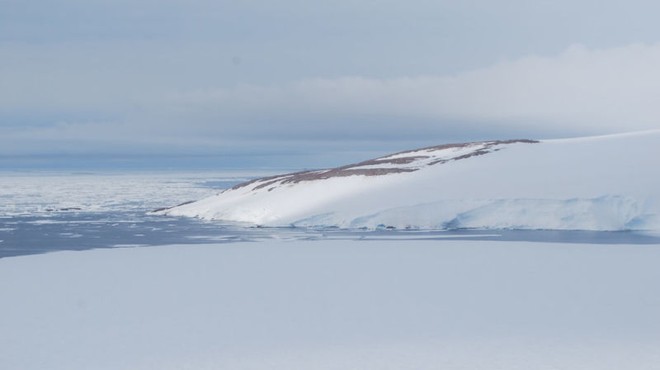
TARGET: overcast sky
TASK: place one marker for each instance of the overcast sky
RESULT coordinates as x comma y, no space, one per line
304,83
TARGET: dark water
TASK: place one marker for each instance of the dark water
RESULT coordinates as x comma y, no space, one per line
26,235
80,231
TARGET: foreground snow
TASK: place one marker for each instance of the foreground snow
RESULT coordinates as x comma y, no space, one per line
334,305
601,183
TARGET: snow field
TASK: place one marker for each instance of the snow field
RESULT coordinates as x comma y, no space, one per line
319,305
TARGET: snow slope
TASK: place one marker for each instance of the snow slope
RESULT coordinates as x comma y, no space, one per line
598,183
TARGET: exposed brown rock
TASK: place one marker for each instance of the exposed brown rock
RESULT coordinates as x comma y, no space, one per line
355,170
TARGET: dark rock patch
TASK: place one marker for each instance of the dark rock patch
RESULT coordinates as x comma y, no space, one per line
355,170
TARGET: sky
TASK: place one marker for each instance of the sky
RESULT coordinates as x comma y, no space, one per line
297,83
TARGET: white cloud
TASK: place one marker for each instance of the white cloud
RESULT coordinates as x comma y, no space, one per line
579,91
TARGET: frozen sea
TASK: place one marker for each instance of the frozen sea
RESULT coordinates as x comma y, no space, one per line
51,211
90,280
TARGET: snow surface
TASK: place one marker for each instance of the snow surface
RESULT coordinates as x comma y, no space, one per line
598,183
318,305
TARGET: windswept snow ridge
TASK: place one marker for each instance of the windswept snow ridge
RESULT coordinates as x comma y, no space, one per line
600,183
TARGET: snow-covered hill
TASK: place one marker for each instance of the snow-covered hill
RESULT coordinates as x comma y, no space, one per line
598,183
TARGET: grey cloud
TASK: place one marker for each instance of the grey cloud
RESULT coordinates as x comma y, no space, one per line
580,91
204,76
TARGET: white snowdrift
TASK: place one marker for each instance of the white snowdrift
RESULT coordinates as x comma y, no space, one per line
598,183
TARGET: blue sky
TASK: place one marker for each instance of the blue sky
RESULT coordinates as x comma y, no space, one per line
299,83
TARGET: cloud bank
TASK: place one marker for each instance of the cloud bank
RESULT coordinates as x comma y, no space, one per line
65,105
